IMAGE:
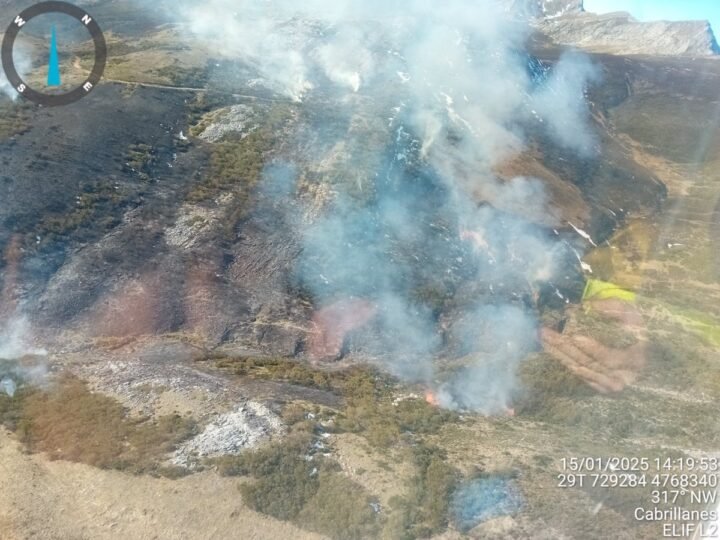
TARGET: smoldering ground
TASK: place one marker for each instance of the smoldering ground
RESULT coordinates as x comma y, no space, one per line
452,87
414,230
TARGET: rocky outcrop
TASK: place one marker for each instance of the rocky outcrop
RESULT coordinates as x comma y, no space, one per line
567,23
550,9
545,9
228,434
619,33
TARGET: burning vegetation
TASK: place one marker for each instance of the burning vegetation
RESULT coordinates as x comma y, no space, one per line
354,209
431,398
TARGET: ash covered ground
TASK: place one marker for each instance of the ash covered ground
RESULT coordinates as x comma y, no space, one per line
368,264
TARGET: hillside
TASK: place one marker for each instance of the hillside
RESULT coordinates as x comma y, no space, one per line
322,273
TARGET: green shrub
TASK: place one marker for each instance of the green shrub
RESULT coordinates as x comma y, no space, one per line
418,416
236,163
283,492
14,119
277,369
423,512
139,159
371,411
291,485
285,479
339,509
312,492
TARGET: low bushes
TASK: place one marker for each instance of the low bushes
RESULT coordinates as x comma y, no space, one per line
70,422
293,483
423,512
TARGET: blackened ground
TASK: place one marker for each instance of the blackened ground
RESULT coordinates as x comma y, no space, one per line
76,171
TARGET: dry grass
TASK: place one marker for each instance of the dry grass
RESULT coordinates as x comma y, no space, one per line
72,423
14,119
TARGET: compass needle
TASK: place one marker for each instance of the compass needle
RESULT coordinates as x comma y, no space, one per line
54,63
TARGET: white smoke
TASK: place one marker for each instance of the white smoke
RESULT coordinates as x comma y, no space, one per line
15,341
15,344
455,82
345,60
557,102
23,65
272,45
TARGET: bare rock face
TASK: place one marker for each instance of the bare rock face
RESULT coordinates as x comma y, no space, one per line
567,23
229,434
542,9
619,33
549,9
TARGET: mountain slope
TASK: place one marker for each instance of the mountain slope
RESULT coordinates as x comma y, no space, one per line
619,33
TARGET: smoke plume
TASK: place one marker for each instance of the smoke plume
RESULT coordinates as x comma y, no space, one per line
22,65
15,330
558,102
418,230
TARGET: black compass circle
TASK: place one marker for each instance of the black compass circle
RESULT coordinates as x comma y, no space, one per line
24,89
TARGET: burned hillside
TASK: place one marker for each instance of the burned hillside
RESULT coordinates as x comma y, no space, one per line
355,271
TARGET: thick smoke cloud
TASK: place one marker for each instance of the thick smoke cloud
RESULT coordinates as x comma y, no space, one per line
453,87
557,102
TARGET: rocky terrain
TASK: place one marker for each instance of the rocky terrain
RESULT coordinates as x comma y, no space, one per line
545,9
567,22
358,298
619,33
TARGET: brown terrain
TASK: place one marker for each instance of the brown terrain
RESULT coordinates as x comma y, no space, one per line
180,376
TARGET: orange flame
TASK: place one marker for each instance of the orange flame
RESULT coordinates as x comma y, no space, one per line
432,398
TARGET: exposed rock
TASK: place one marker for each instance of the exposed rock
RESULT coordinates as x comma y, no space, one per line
230,433
545,8
236,119
153,379
194,227
619,33
566,22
